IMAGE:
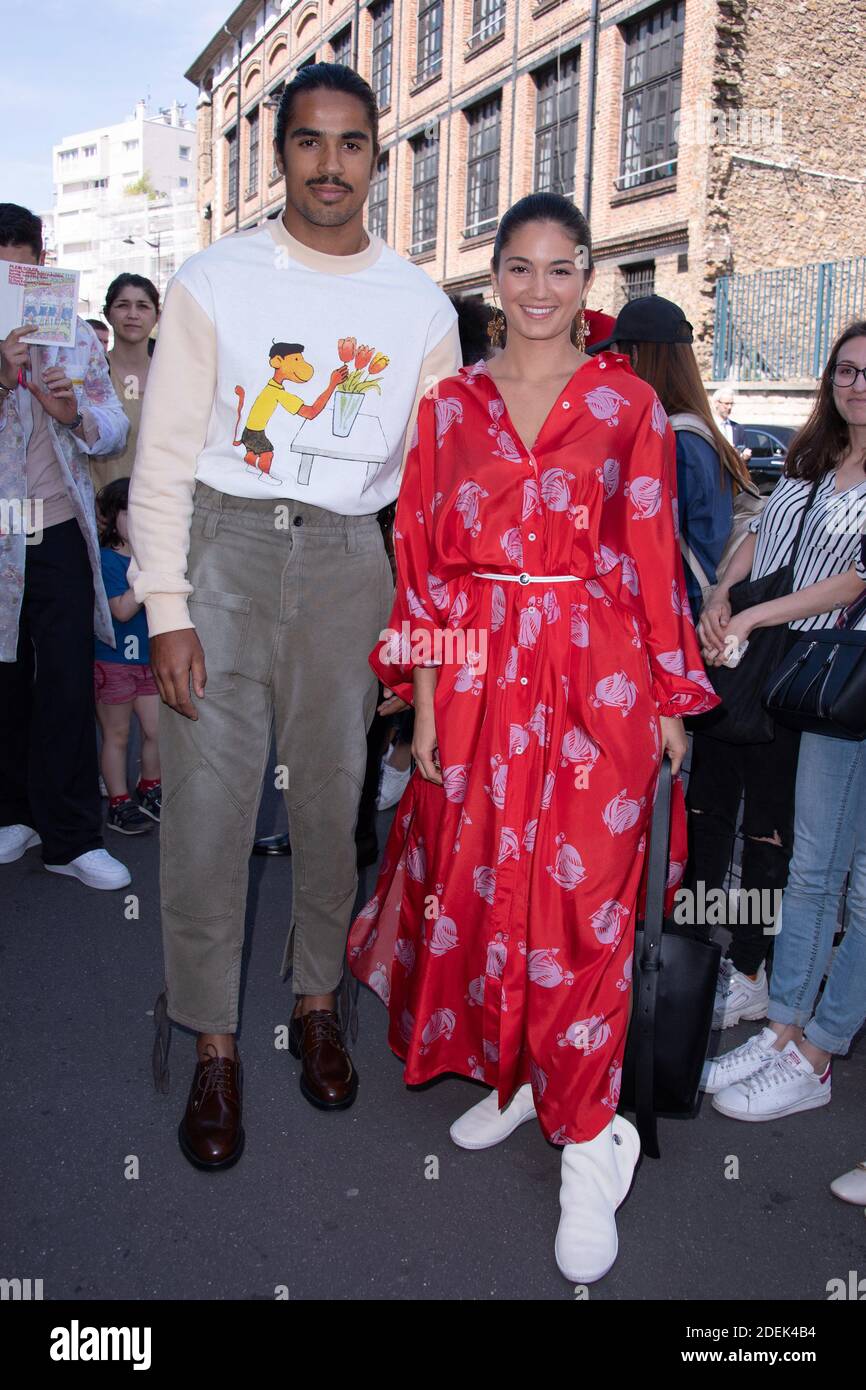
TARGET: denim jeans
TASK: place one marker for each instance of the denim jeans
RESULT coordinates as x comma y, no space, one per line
829,843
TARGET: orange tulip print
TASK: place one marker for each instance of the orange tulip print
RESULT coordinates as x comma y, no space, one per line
367,359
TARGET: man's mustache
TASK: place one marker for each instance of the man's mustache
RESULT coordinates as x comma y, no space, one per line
329,183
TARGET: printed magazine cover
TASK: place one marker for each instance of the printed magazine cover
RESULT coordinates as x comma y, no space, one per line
45,296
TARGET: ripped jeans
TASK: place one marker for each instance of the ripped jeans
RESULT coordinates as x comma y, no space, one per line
764,774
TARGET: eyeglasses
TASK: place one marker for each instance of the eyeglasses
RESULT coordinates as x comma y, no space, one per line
845,375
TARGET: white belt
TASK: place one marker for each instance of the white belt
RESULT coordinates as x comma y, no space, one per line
530,578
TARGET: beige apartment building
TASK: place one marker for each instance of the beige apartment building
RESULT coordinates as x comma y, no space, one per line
704,138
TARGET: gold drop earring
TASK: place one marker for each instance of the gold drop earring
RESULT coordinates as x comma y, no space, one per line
496,326
578,330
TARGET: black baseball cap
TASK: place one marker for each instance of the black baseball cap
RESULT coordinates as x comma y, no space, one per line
649,319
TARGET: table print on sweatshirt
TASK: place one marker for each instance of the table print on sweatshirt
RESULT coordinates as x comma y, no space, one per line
333,425
501,931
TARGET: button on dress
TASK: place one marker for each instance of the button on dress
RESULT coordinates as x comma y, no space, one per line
501,931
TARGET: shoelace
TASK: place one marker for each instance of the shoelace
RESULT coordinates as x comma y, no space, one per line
739,1054
321,1027
216,1077
776,1074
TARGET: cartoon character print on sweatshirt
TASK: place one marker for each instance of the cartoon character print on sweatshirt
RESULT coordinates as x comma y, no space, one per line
346,388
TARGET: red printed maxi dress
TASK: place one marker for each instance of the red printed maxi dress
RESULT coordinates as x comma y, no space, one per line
501,931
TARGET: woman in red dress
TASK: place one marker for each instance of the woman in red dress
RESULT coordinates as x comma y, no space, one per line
541,629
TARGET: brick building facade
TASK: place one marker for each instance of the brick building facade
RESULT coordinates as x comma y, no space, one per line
701,135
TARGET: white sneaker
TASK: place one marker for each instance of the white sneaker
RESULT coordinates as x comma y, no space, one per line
739,1064
787,1086
596,1177
393,782
96,868
15,840
738,997
485,1124
851,1187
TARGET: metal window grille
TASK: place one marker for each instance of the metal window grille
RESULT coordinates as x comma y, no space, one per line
341,45
383,42
253,152
651,96
488,19
232,181
640,279
482,186
377,208
779,325
274,100
425,179
430,22
556,125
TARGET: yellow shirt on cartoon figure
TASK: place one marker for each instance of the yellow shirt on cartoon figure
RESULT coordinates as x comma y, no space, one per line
266,403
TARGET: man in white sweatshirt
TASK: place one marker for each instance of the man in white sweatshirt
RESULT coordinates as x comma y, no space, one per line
281,399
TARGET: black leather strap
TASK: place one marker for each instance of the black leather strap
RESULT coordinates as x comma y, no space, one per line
650,963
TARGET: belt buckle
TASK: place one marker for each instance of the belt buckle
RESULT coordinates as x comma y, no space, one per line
523,578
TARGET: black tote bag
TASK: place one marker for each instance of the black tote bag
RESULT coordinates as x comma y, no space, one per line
675,973
742,717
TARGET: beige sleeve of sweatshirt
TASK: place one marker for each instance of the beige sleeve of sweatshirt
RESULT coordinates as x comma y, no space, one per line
442,361
175,415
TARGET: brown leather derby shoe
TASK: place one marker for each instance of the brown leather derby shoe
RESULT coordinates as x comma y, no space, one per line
210,1134
328,1076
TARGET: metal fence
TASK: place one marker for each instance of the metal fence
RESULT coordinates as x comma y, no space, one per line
779,325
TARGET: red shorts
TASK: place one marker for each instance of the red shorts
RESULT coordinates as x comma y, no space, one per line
119,683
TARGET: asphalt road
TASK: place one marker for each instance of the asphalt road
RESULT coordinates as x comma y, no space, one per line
340,1206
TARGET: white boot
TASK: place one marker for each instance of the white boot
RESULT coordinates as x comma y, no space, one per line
596,1176
485,1124
851,1187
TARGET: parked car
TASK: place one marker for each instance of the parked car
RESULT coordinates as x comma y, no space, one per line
769,446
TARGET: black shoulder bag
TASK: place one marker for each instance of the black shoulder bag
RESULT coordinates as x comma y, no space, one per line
675,973
820,687
742,717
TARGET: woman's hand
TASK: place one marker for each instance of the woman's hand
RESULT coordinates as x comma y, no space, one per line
674,741
424,745
737,634
713,622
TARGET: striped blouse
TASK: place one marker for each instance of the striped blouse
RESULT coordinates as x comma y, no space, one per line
831,543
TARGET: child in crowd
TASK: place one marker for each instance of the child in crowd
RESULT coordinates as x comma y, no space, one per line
123,679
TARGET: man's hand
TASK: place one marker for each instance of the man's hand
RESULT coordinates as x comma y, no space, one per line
391,703
338,376
58,398
176,658
674,741
14,356
745,455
